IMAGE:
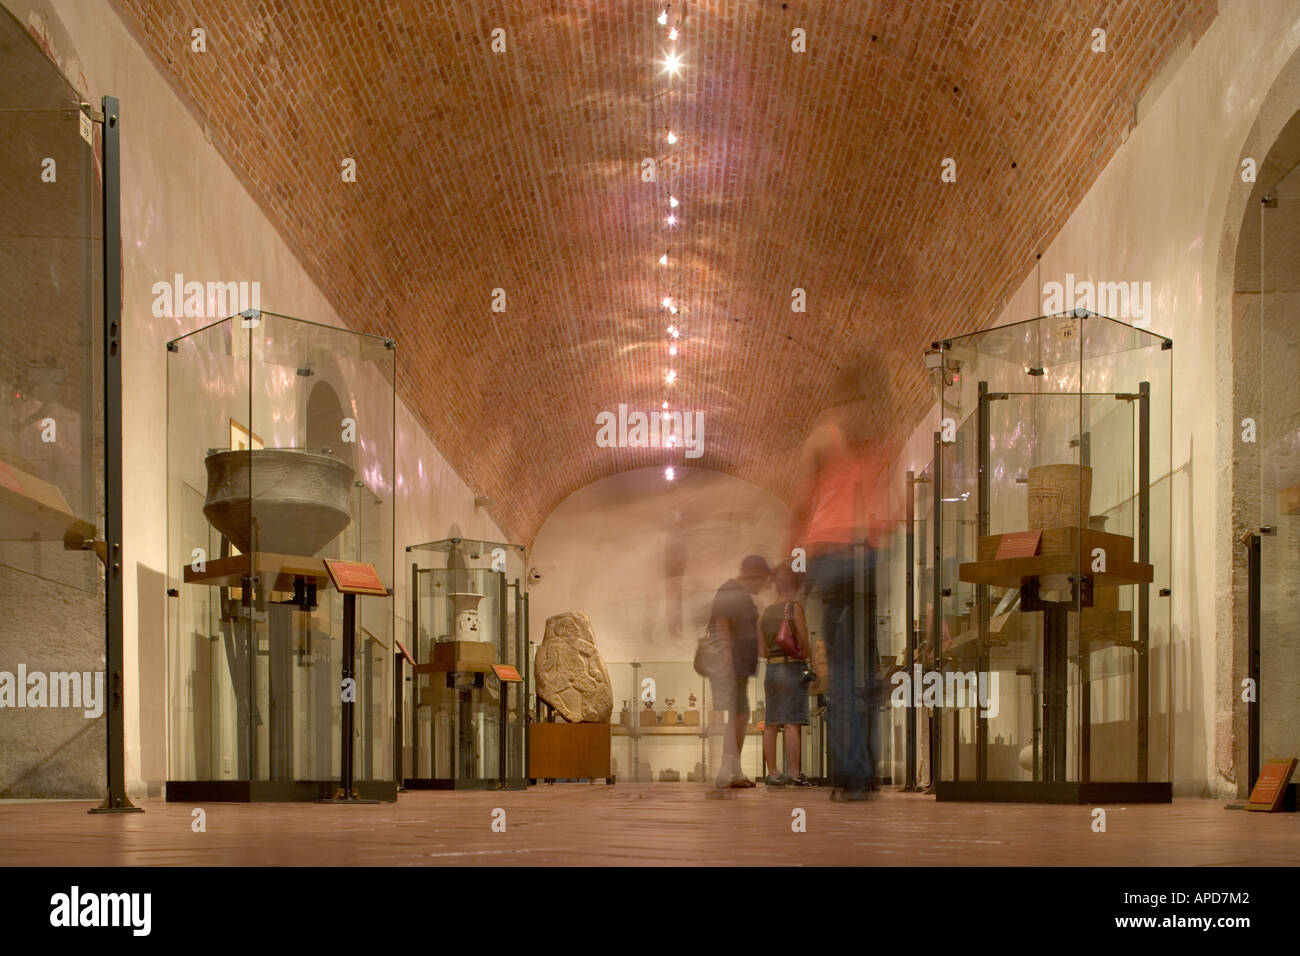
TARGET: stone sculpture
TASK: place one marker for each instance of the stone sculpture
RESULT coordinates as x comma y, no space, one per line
571,675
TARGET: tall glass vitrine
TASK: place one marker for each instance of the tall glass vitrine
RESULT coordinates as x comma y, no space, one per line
280,457
467,715
1050,593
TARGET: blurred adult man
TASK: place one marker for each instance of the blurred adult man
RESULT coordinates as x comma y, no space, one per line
734,617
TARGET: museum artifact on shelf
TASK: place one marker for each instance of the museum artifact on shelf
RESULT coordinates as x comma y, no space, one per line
1050,519
271,483
469,620
573,684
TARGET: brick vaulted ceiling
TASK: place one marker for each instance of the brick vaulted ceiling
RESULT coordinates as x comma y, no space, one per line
521,170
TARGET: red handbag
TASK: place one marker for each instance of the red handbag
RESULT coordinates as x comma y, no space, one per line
786,639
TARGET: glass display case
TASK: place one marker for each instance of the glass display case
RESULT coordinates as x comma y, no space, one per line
280,457
469,618
1049,587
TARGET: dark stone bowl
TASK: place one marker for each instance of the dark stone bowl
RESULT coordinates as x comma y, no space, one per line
298,501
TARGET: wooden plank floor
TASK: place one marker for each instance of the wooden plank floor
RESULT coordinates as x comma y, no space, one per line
646,825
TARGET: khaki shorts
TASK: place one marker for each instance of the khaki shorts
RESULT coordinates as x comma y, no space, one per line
730,694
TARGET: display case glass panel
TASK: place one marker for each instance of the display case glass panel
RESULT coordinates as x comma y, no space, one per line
469,612
1053,560
280,455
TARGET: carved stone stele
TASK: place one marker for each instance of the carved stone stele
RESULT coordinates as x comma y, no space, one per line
571,675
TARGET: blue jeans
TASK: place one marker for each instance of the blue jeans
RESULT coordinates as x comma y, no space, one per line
849,707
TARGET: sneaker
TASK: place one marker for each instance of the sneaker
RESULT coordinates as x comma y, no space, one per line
773,781
799,781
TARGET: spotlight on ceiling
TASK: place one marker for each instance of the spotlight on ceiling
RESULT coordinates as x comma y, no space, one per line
668,303
671,220
672,33
663,17
663,260
671,376
672,202
673,63
672,137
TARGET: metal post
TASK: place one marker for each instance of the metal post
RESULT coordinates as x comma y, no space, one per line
936,612
1254,559
399,680
415,677
346,774
116,800
910,783
983,656
525,671
1144,589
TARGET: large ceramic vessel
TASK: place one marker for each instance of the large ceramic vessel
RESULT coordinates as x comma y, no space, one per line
295,501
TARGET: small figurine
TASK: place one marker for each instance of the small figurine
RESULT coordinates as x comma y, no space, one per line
691,701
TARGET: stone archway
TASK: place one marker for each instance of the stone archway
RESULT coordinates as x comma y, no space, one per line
1274,145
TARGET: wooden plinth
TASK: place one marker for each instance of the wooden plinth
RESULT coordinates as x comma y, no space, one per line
569,751
277,571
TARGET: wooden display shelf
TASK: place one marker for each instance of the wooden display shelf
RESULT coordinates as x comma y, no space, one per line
1013,572
32,509
277,571
1062,541
1061,551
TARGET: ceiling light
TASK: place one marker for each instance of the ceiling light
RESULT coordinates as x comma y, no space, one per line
665,405
668,303
672,137
671,220
663,260
673,63
672,201
674,331
672,309
671,376
672,33
672,350
663,17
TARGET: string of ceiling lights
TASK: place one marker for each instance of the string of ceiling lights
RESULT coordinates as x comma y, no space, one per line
667,173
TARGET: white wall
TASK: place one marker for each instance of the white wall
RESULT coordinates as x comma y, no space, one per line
610,549
1157,213
184,211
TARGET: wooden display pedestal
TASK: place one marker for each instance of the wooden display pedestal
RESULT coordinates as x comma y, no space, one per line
569,752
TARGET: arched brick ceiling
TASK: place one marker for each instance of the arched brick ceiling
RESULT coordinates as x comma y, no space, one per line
521,171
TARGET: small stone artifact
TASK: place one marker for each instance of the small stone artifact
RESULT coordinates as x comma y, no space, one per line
297,501
464,615
571,675
1059,496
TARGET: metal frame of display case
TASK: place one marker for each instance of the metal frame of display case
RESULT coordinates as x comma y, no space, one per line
116,800
504,779
1049,783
